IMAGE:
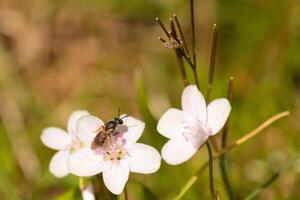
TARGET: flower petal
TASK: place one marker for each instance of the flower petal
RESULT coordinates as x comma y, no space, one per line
193,103
217,114
133,129
115,176
72,122
86,162
178,150
58,164
171,124
55,138
87,127
143,159
88,192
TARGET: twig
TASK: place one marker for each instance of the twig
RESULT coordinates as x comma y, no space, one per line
181,67
193,32
256,131
163,27
179,51
181,35
212,61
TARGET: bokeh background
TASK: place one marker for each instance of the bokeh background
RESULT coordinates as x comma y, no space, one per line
58,56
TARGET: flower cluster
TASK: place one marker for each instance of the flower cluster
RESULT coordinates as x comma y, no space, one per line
76,156
187,130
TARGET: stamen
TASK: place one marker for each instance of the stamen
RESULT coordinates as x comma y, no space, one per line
116,153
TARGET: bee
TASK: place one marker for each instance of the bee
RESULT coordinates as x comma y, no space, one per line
106,132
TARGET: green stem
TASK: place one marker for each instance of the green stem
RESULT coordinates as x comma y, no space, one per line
193,32
212,61
195,76
181,67
126,193
225,177
223,158
123,195
211,171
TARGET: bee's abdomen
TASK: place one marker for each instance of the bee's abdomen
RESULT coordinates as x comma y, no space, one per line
99,140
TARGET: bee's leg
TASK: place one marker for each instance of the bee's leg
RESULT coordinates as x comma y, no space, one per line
114,133
109,142
107,146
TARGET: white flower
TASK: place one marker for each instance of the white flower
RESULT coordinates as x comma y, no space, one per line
88,192
190,127
64,142
116,160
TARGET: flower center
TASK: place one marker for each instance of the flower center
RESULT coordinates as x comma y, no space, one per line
116,152
194,130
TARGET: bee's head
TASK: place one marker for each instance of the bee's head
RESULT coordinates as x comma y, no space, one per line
111,124
119,120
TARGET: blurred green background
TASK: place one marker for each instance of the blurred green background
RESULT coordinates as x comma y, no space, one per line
58,56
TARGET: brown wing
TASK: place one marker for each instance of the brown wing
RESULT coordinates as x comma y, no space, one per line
100,138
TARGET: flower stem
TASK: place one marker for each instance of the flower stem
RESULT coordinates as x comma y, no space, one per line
123,195
225,177
212,61
211,171
193,32
223,158
126,193
194,63
179,54
195,76
181,67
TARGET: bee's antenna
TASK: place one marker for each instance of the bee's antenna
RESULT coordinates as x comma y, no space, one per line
125,116
119,111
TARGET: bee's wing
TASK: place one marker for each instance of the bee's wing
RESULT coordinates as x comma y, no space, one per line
124,128
108,142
